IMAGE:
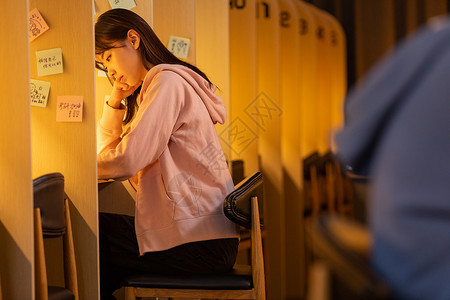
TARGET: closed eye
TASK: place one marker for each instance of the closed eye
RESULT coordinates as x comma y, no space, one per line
101,66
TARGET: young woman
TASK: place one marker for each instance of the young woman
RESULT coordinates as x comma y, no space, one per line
170,150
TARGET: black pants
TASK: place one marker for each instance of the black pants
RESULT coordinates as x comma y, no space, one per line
119,255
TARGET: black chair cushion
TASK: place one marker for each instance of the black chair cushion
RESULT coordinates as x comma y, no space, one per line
237,205
240,278
59,293
48,193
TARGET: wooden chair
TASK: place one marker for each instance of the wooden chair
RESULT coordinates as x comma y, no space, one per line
243,282
312,197
326,188
51,220
343,248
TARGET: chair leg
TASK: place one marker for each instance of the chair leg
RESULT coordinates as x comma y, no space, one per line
129,293
39,257
70,267
318,282
315,191
257,253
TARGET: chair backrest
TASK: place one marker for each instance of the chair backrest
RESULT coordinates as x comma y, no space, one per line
48,196
237,205
52,219
243,206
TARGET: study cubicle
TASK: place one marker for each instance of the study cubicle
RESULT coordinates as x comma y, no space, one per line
35,143
265,64
38,141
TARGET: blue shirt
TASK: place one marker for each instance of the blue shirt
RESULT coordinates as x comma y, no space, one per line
398,132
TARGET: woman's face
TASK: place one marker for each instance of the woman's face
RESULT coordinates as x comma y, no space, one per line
124,62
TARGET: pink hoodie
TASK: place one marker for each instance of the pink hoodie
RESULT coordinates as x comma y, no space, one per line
173,153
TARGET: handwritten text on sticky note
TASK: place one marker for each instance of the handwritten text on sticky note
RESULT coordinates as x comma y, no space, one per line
49,62
69,109
127,4
179,46
37,24
39,92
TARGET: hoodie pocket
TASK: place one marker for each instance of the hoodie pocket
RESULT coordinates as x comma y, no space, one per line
184,191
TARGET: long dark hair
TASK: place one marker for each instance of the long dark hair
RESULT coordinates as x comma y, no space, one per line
113,26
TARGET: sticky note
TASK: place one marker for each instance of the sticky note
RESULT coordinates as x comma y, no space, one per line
69,109
49,62
39,92
37,24
179,46
127,4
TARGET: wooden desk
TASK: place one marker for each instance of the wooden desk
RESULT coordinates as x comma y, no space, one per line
116,197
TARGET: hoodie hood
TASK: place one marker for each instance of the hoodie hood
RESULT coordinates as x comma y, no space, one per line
373,105
213,103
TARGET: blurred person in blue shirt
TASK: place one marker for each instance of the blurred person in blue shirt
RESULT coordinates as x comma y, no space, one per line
397,132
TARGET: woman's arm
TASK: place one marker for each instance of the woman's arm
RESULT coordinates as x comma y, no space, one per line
149,133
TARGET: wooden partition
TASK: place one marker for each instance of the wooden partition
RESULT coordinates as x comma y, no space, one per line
266,112
308,78
324,79
212,19
291,99
243,131
16,206
338,57
69,147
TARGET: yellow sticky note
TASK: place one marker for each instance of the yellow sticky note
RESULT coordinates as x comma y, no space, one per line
39,92
49,62
37,24
69,109
127,4
179,46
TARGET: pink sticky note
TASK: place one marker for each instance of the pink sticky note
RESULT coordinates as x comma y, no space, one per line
37,24
69,109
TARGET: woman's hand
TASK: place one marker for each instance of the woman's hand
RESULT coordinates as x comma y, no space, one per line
119,92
